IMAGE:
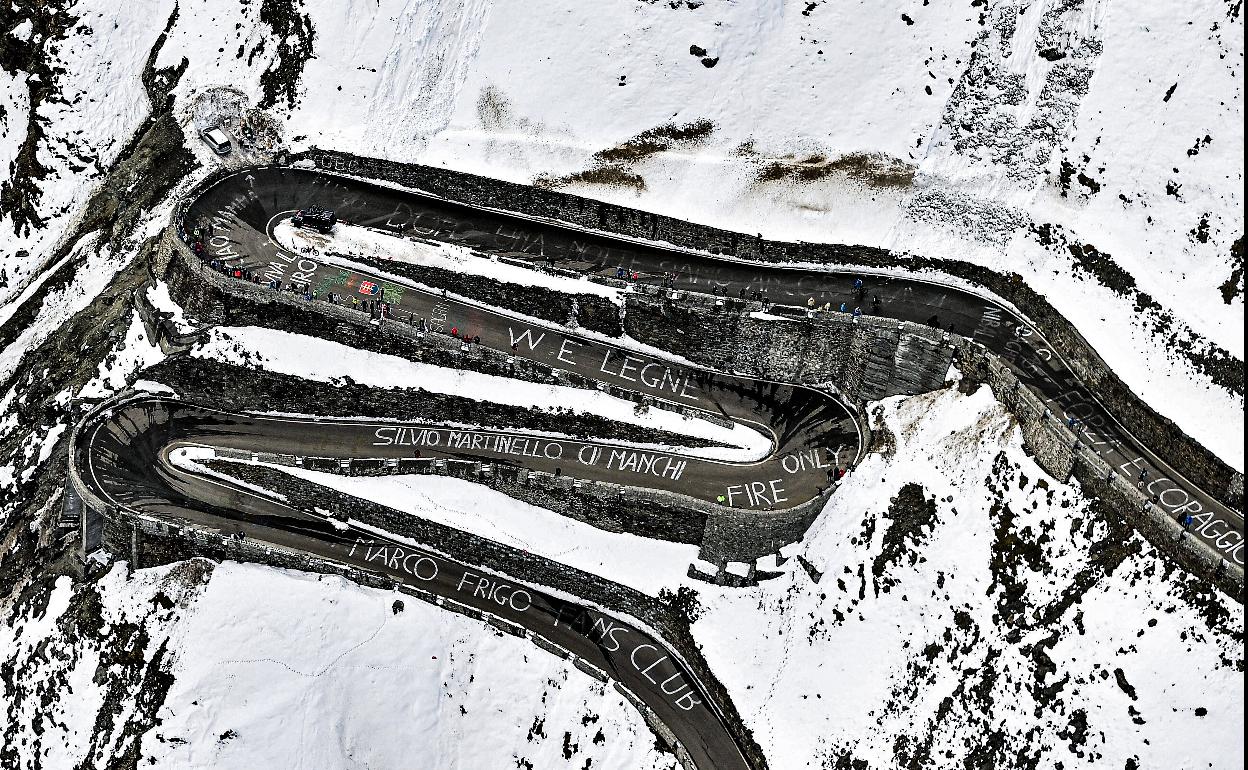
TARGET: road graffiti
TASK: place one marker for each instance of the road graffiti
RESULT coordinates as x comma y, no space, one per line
656,377
613,636
1165,492
646,659
758,494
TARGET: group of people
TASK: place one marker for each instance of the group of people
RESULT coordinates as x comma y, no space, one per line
860,291
247,275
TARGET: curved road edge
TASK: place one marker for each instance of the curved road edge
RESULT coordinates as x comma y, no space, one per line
1202,558
609,644
482,193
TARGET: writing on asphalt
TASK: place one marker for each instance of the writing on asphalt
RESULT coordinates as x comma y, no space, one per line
760,494
652,375
628,460
642,654
1206,523
221,246
1173,498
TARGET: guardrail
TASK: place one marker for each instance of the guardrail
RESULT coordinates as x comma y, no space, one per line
1041,437
206,540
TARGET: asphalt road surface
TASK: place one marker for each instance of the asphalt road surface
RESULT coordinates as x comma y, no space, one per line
124,455
239,212
126,450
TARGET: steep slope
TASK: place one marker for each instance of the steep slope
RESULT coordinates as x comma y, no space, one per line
957,607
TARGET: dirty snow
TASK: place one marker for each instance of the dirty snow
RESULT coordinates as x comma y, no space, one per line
354,241
935,648
325,361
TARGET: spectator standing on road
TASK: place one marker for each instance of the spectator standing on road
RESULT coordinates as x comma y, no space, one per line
1139,481
875,305
844,307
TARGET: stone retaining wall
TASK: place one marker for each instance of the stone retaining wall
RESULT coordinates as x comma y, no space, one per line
723,534
867,358
652,512
870,359
146,541
214,299
1157,432
1059,452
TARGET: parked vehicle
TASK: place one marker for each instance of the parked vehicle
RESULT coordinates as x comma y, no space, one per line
217,140
315,217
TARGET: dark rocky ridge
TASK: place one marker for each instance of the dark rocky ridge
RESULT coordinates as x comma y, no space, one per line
208,381
1156,431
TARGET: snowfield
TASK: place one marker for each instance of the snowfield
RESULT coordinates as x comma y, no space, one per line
355,241
953,606
986,614
270,668
320,360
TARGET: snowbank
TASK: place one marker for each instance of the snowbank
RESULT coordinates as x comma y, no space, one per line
324,361
354,241
992,614
638,562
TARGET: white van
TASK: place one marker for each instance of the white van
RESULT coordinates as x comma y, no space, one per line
217,140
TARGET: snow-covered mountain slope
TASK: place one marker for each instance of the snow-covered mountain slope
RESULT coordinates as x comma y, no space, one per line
71,98
1041,138
1092,147
196,665
989,615
971,611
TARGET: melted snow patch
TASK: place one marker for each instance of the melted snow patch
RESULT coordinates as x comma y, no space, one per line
994,627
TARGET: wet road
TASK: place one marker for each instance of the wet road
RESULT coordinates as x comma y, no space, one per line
126,450
239,212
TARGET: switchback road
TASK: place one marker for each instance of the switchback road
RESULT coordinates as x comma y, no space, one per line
124,453
239,212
